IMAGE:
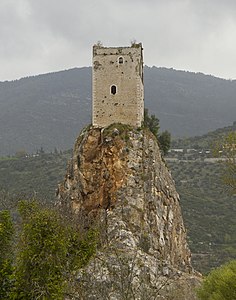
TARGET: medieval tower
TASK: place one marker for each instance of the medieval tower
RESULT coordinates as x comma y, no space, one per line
118,85
118,180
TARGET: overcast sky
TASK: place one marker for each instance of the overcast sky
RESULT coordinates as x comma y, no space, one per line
41,36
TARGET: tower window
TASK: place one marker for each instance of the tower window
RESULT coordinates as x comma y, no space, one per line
113,90
120,60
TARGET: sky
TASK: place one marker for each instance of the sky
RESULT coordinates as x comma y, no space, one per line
42,36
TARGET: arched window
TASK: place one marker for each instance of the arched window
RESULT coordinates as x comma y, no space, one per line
120,60
113,89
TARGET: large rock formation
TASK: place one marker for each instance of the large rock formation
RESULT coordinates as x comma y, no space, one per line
118,178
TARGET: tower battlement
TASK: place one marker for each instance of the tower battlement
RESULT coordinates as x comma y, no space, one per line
118,93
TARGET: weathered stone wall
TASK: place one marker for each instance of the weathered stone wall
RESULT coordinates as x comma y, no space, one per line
119,176
123,68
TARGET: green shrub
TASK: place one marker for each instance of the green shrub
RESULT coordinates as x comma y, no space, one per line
152,123
220,284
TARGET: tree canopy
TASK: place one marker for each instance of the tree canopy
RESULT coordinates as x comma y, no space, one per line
152,123
49,247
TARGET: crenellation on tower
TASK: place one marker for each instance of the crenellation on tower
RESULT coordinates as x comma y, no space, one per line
118,92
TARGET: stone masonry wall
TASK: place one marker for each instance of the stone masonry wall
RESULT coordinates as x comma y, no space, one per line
126,105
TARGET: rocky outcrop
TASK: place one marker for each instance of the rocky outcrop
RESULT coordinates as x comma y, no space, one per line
118,177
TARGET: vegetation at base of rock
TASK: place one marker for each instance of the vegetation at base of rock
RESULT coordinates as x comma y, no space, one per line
152,123
220,284
50,248
42,254
50,253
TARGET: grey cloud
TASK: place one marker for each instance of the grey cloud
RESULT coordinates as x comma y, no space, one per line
41,36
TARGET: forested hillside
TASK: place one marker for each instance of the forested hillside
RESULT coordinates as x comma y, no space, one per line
206,141
44,111
189,104
50,110
208,211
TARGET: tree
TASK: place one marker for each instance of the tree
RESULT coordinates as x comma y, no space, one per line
6,269
227,150
230,153
220,284
50,248
42,254
164,141
152,123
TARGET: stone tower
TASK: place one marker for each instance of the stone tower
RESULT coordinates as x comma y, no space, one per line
118,85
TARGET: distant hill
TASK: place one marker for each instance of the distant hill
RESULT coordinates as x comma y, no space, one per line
50,110
189,104
206,141
44,111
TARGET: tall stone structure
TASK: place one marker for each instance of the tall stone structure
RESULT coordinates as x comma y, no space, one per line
118,181
118,85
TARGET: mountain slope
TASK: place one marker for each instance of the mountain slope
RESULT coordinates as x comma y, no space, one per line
206,141
49,110
189,104
44,111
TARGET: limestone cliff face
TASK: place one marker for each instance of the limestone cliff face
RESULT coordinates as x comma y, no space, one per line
119,176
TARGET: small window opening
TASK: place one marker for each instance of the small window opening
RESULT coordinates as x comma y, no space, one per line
120,60
113,89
